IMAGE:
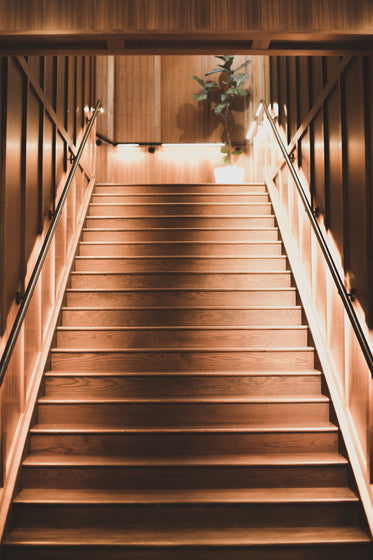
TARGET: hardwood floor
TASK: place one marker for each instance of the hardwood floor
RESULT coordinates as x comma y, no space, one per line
183,416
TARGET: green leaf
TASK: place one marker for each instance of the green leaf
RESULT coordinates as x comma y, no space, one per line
199,96
241,79
237,152
224,149
225,160
201,82
242,92
219,108
243,65
214,71
210,85
228,60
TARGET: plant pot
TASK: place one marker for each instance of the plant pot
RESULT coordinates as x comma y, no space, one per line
229,174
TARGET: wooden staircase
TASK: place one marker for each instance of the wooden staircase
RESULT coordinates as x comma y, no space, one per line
183,417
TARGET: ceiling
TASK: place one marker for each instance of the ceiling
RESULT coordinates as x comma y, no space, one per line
186,26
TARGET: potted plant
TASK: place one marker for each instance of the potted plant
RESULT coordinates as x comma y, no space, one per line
221,95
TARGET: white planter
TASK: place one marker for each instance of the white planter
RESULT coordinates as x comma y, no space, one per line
229,174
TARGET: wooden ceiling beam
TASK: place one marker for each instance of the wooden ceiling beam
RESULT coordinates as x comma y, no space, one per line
181,26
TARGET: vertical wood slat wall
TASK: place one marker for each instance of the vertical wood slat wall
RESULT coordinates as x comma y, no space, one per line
41,119
334,151
37,127
332,144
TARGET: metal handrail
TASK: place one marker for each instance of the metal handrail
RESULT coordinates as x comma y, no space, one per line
324,247
43,252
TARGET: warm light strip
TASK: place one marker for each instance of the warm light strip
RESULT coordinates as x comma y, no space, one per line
128,145
251,130
192,144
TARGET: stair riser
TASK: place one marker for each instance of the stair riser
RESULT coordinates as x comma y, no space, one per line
174,188
158,516
217,476
180,209
187,280
153,298
292,552
186,234
181,221
178,197
193,360
183,386
180,338
188,264
192,249
181,317
148,415
202,444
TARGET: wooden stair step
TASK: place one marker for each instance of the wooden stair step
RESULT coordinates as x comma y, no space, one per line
216,234
197,495
164,263
194,537
173,221
182,316
147,297
79,440
187,280
233,460
120,188
184,359
160,413
61,470
124,209
163,197
320,543
173,384
173,248
179,337
178,515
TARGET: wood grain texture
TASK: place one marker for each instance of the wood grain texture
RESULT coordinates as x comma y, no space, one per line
151,26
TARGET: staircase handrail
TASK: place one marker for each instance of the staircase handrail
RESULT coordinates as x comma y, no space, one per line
25,301
345,296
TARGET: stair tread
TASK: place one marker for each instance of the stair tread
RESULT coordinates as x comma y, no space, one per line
199,228
180,350
172,242
186,328
186,400
181,373
99,429
188,307
175,496
291,536
186,257
284,459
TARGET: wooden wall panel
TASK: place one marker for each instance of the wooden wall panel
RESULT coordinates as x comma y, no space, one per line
48,179
318,173
134,99
356,199
282,94
60,90
316,83
293,97
273,72
79,95
183,118
33,202
13,251
50,75
333,176
304,87
70,101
